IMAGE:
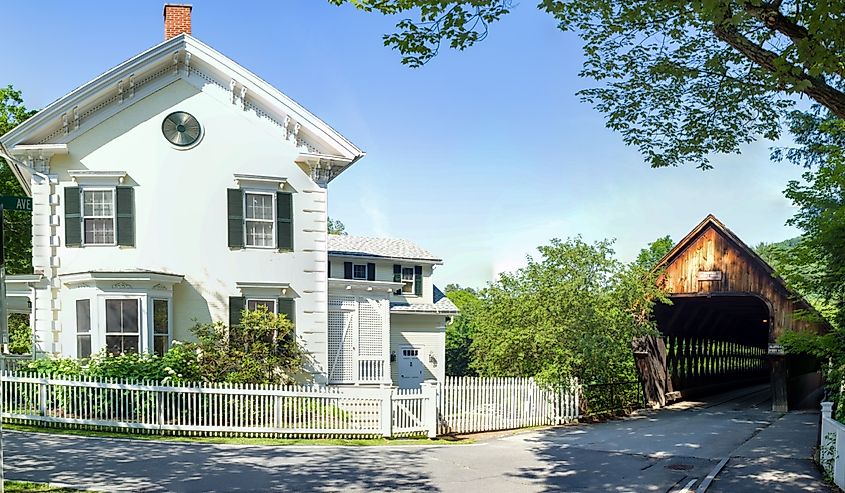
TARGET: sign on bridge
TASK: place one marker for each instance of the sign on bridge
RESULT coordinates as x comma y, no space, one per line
16,203
709,275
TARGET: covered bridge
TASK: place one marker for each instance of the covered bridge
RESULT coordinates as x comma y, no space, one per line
728,309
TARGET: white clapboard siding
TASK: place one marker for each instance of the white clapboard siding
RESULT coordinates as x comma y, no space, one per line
476,404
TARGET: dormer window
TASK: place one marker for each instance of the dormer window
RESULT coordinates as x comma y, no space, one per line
407,280
411,278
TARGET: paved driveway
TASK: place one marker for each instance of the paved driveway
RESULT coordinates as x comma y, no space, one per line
661,451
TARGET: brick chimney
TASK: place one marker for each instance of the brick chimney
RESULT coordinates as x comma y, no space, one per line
177,19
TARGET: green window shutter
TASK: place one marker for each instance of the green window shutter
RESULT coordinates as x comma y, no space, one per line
236,306
73,217
284,220
235,203
125,197
371,272
418,279
397,276
347,270
285,306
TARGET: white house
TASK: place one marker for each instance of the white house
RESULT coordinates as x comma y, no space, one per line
178,186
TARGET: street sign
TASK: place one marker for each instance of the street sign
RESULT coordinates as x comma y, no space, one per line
16,203
776,349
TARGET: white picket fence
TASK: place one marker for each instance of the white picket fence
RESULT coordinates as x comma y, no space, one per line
458,405
221,408
832,446
476,404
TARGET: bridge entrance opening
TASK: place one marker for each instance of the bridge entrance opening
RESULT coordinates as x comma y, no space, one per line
714,343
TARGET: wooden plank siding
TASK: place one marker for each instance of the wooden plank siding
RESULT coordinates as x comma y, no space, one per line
712,247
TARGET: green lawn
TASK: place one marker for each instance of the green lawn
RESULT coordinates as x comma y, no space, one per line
24,487
358,442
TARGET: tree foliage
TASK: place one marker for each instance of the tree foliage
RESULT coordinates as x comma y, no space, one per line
18,227
678,80
460,333
574,311
336,227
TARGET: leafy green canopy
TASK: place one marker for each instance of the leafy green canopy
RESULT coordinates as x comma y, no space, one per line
574,311
460,333
18,227
678,80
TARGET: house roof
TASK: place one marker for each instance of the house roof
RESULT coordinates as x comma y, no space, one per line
181,57
389,248
441,306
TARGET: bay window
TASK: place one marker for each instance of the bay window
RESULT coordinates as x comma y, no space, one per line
123,332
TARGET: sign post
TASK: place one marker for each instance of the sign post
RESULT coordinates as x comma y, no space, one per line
16,204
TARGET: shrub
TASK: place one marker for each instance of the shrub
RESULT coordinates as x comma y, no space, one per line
262,349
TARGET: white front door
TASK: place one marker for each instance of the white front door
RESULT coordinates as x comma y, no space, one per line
410,368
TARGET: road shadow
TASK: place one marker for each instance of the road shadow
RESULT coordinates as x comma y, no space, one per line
148,466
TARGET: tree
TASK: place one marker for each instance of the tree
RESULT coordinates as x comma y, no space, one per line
18,227
572,312
678,80
654,252
460,333
336,227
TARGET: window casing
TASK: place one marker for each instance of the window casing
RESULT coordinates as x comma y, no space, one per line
123,327
83,328
98,216
161,326
359,271
259,219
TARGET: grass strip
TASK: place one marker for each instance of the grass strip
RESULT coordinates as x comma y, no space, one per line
27,487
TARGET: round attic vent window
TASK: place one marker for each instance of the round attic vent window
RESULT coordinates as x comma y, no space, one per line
181,129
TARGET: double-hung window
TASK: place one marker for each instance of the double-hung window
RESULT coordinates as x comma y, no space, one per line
359,271
98,216
259,219
161,326
408,280
83,328
123,325
253,304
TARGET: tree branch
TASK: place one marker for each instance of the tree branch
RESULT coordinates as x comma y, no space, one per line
814,87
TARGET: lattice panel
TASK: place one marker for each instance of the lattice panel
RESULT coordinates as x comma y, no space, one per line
370,329
340,345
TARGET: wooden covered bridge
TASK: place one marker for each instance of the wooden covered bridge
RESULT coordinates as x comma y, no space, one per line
728,309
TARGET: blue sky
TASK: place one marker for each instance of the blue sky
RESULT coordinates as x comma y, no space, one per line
479,156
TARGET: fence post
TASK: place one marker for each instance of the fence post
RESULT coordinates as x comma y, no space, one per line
42,398
430,407
828,445
386,411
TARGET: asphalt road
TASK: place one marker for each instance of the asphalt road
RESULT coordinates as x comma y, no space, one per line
661,452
